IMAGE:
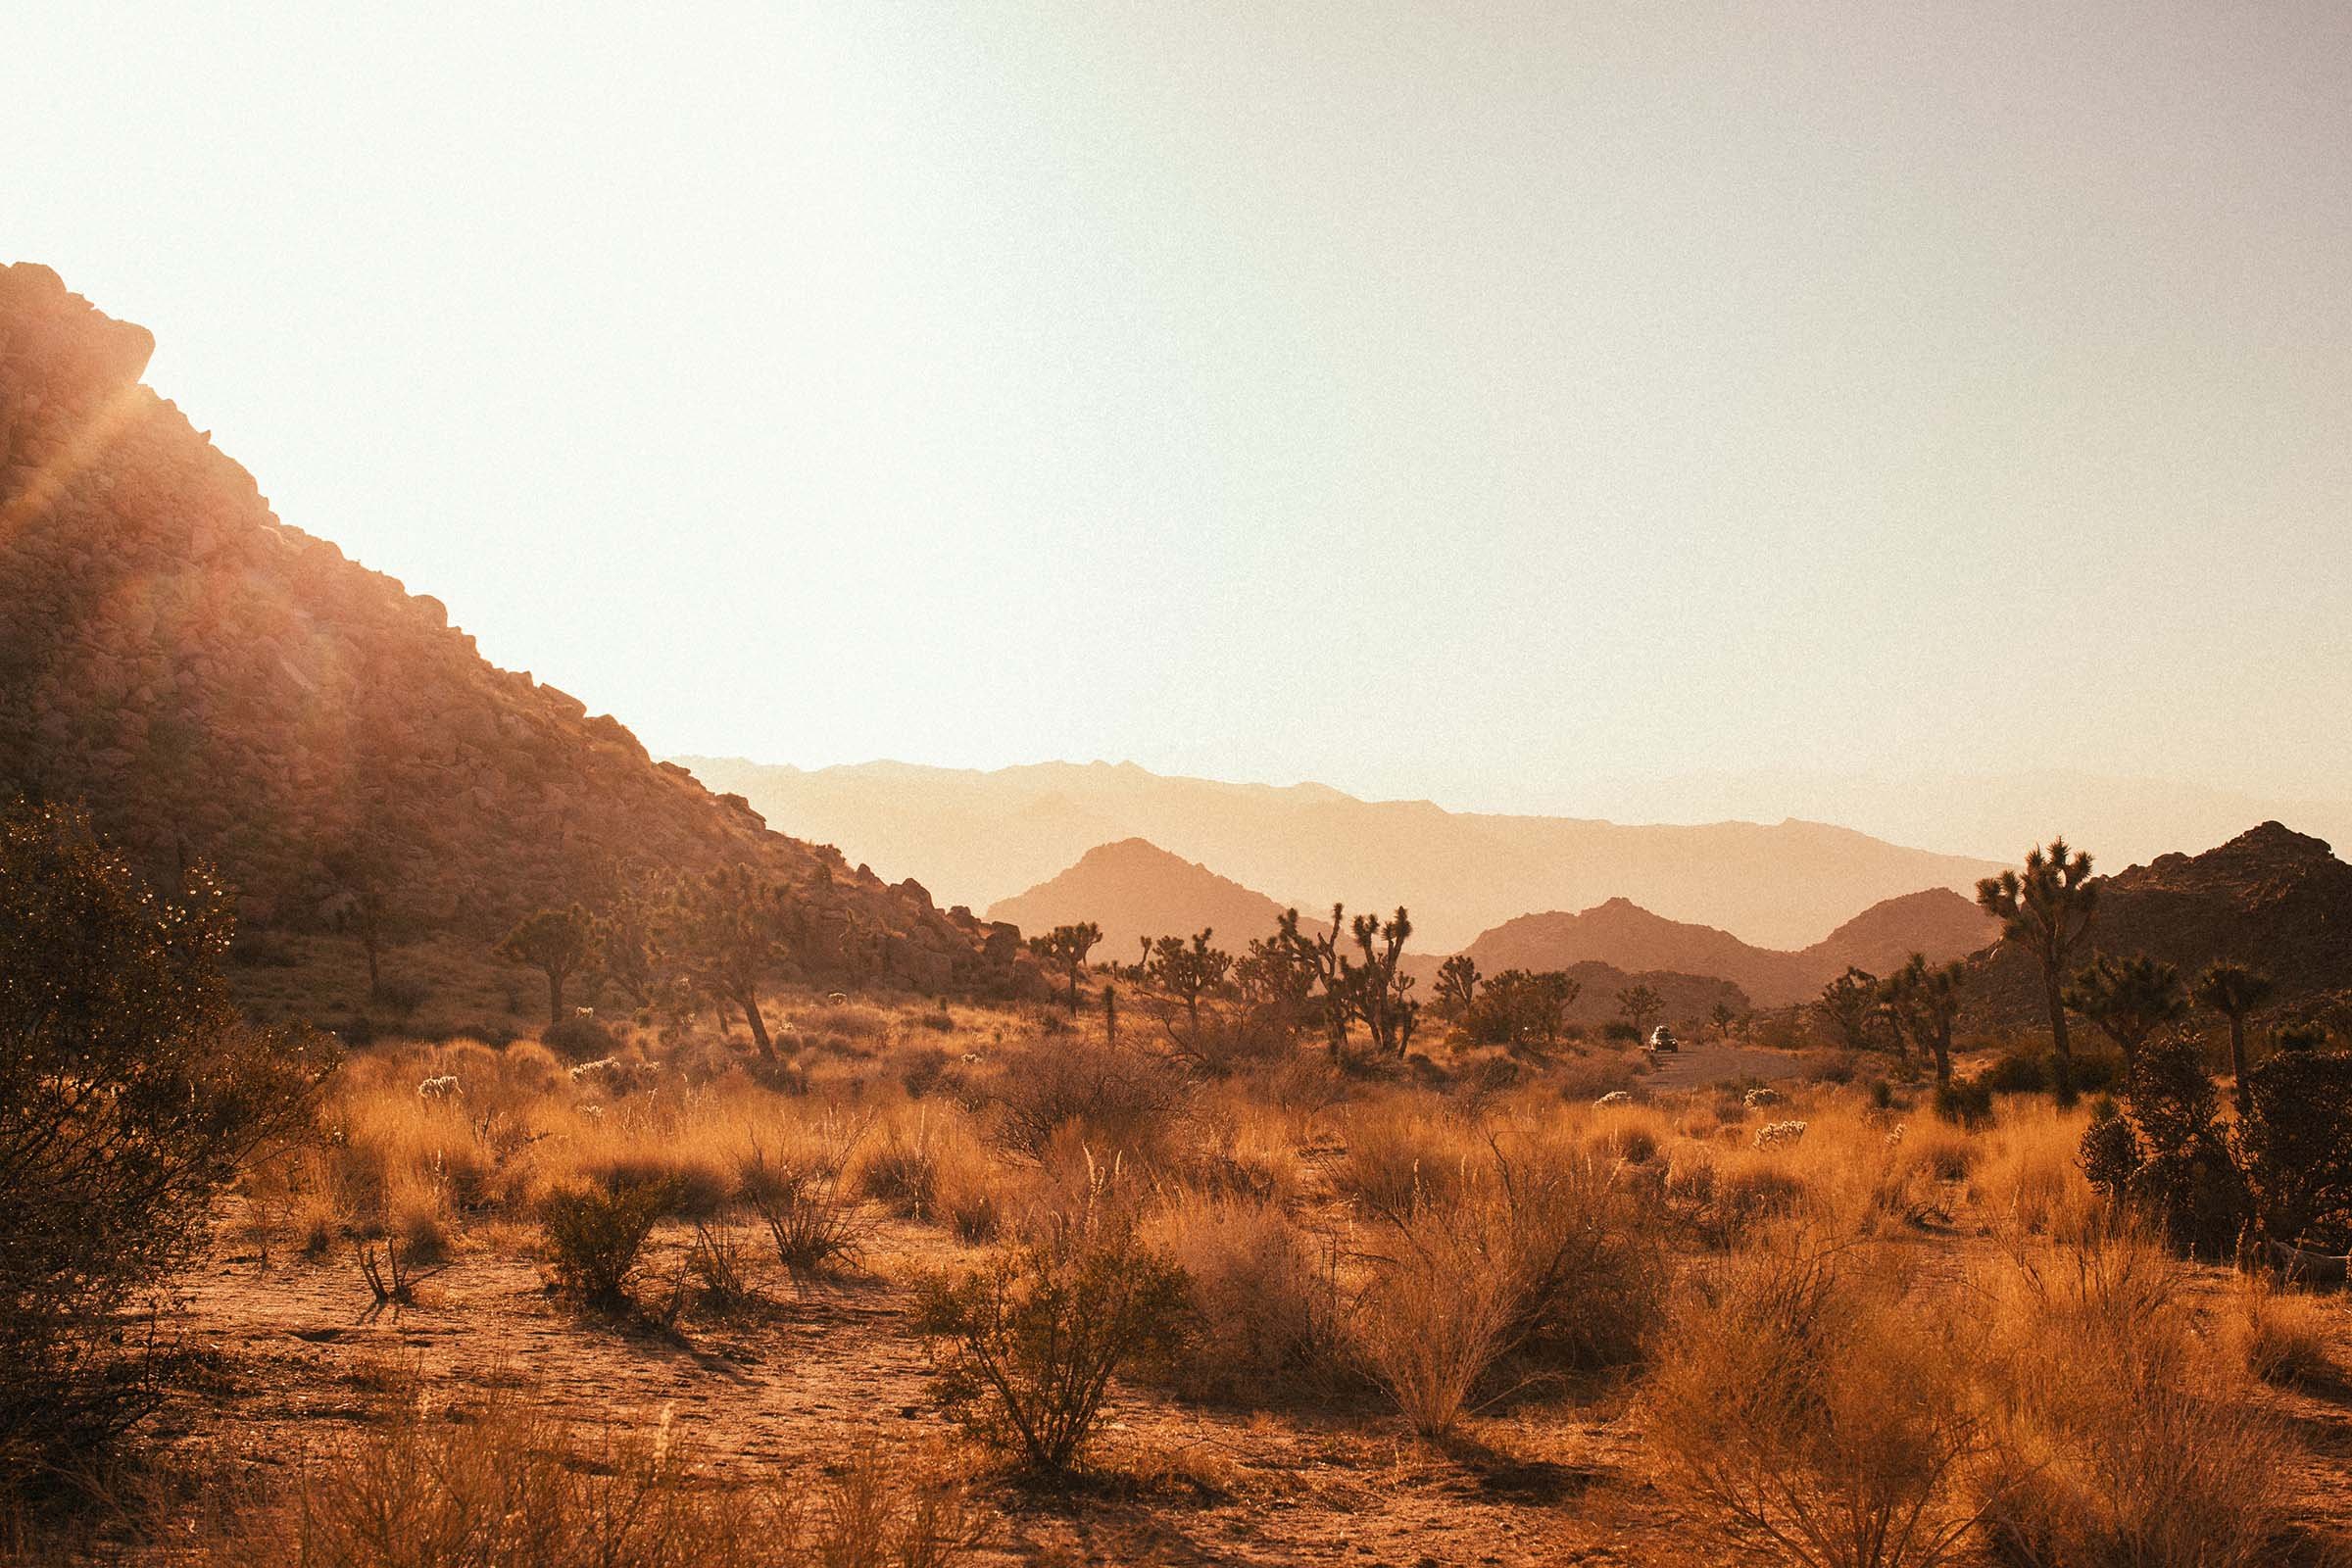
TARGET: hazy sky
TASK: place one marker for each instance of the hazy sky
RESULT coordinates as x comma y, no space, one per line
1459,401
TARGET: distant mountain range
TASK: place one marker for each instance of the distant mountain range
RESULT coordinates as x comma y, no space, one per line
2122,819
1134,889
1937,922
975,838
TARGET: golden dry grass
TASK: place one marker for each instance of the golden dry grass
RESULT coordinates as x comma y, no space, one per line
1386,1253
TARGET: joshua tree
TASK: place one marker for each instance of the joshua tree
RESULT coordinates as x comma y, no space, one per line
1187,971
2046,909
1318,958
625,946
1924,1001
730,930
1851,1003
1457,984
1642,1006
1368,987
1064,948
2128,999
554,941
1380,990
2234,990
1724,1018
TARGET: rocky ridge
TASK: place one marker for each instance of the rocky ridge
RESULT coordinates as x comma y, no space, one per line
214,684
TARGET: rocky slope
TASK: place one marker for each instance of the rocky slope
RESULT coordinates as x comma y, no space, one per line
2273,897
983,836
1937,922
214,684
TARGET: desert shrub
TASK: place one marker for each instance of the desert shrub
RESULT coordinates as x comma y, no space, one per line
2110,1155
818,1226
1264,1297
2018,1070
1027,1344
1620,1032
400,995
2295,1143
1812,1409
902,1171
1964,1105
1582,1080
2122,1444
2186,1183
1229,1041
595,1236
1941,1152
923,1070
1122,1100
579,1039
131,1090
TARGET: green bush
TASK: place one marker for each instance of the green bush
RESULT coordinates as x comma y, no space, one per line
1965,1105
596,1234
132,1088
1027,1344
579,1039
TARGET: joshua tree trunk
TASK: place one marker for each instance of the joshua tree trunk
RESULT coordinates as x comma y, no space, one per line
2063,1057
555,996
2238,1064
751,1015
1940,1042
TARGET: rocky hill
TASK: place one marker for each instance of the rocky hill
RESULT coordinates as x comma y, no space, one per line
2276,898
214,684
1936,921
1133,890
983,836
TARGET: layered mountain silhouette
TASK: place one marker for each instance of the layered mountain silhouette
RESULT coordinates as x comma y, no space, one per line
1938,922
1134,890
2276,898
215,685
979,837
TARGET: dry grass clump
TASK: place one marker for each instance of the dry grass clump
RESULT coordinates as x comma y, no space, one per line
2125,1440
506,1487
1531,1257
1814,1409
1402,1149
1244,1150
2283,1336
814,1217
1265,1296
2028,1180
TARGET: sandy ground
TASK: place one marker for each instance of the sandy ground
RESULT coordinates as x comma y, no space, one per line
809,1380
806,1382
